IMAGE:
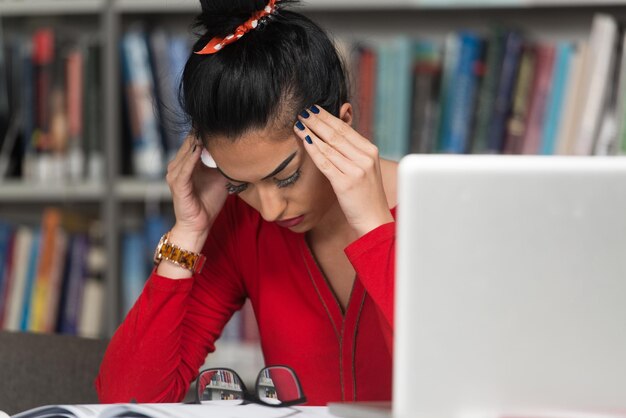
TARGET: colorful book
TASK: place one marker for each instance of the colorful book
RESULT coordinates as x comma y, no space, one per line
6,256
382,100
31,277
539,99
16,296
53,298
486,97
92,114
400,97
573,100
147,145
503,99
426,79
74,95
73,284
460,101
602,47
520,108
450,62
556,99
43,284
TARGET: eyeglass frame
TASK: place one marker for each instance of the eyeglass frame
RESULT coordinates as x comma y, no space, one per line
252,397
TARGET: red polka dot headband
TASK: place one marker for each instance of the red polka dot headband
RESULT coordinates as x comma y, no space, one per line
217,43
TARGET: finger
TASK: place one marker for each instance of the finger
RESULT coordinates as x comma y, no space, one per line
335,137
185,149
324,122
183,165
330,161
189,165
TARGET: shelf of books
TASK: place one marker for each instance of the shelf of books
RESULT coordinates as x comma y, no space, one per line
52,183
51,274
495,89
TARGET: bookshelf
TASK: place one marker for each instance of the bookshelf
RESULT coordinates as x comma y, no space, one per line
117,194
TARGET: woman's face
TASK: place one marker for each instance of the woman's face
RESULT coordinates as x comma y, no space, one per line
273,173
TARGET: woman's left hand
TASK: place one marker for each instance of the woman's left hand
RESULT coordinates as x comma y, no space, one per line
351,164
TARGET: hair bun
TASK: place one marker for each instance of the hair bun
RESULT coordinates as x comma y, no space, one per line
222,16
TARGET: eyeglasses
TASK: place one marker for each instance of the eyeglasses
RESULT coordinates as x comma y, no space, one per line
276,386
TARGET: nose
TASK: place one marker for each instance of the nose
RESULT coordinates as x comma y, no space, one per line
271,203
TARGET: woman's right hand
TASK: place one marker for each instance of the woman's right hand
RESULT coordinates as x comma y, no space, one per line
198,194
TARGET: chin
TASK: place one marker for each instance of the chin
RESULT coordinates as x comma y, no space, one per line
302,227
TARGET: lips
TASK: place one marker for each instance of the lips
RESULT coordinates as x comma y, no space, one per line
288,223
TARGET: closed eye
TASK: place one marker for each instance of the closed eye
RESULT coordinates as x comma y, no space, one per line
236,189
289,180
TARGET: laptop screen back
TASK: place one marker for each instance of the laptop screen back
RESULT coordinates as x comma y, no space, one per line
510,286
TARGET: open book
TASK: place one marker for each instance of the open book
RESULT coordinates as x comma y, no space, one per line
171,411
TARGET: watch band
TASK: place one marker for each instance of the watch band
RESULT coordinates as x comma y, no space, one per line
191,261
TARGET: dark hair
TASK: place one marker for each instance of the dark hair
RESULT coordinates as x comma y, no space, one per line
266,77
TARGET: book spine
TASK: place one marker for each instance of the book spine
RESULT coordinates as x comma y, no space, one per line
6,255
147,146
450,64
555,106
463,92
75,281
42,287
31,276
16,296
599,66
502,104
541,90
487,95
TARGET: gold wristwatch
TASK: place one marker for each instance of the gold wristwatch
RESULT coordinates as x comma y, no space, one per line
183,258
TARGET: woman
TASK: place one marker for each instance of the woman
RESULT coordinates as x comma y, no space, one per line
307,233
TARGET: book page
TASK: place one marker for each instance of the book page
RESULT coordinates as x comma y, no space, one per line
210,411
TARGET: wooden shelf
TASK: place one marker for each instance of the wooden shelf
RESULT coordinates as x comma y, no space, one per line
50,7
20,191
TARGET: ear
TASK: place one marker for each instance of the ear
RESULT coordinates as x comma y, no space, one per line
345,113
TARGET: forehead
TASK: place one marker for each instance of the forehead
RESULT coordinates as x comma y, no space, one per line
255,154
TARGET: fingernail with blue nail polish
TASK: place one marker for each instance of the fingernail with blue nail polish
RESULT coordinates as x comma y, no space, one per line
299,125
314,109
304,114
308,139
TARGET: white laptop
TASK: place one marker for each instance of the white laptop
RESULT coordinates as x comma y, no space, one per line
510,288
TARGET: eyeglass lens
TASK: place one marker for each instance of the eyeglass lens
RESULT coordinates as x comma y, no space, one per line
221,386
275,385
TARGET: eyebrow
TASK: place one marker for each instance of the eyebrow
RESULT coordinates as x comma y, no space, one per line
277,170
